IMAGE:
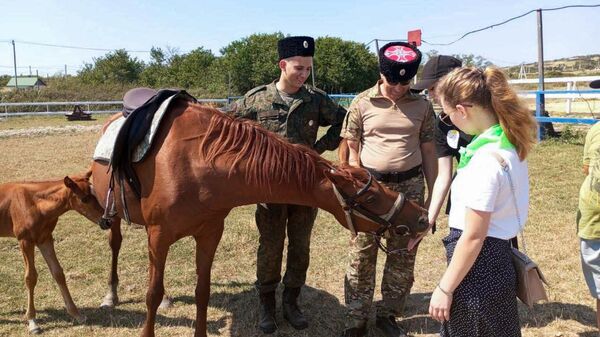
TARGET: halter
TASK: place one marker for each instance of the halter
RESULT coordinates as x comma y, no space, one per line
351,206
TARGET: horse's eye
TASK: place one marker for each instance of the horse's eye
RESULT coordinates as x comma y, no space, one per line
370,199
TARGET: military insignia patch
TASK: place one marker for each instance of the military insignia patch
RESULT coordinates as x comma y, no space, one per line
305,44
400,54
402,72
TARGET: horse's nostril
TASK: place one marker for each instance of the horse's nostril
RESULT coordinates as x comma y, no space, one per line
105,223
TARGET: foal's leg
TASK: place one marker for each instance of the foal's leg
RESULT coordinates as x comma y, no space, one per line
27,249
114,240
206,245
158,248
47,250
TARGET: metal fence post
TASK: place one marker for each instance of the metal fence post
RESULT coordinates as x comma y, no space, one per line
538,108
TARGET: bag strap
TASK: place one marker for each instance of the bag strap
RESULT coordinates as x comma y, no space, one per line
506,169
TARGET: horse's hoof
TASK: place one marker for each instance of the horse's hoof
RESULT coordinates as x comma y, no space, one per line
109,302
36,331
33,328
166,303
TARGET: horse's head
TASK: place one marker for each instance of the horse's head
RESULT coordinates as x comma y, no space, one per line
373,208
83,200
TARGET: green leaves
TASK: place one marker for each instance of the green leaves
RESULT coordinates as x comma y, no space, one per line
344,66
114,67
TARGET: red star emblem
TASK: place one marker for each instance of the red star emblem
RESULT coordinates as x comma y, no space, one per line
400,54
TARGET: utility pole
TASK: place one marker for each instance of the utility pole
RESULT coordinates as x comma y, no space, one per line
540,57
312,73
547,129
65,71
29,70
15,63
377,51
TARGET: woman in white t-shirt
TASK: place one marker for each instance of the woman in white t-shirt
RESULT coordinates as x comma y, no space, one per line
476,296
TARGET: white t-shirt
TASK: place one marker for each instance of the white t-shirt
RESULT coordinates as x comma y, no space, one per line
482,185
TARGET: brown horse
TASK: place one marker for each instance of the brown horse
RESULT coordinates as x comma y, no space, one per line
29,212
204,163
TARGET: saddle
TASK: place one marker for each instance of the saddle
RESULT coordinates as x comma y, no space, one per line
137,123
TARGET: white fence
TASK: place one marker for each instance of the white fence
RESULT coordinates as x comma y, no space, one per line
576,88
54,108
572,90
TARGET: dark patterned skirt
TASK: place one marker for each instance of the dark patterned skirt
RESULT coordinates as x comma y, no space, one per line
485,302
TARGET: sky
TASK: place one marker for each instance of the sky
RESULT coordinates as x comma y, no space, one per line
138,25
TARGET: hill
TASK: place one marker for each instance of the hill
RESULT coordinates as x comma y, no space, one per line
586,65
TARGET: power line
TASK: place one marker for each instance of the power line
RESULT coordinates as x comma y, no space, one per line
507,21
76,47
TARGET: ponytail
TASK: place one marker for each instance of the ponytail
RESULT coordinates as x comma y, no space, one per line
516,120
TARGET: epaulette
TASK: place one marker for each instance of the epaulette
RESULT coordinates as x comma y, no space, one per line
255,90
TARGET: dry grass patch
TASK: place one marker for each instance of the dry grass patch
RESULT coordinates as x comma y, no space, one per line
84,253
25,122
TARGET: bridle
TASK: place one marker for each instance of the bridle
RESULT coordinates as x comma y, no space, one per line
352,206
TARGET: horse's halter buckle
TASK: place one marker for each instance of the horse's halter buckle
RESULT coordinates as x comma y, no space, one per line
351,206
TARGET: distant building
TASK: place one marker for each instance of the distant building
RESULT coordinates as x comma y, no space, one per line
26,82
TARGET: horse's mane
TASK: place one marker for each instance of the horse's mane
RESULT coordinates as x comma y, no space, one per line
267,157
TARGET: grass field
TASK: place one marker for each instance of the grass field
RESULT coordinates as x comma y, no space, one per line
83,251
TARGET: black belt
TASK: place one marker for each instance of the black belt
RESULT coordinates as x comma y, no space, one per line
396,177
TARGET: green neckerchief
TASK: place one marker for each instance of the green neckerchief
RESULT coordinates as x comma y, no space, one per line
494,134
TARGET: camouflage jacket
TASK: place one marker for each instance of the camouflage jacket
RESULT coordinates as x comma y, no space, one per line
299,122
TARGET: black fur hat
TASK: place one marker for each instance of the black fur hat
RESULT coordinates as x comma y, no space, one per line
296,46
399,61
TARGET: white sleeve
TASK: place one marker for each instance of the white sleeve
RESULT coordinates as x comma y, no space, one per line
484,175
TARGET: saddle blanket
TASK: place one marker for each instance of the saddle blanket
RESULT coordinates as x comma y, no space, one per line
105,146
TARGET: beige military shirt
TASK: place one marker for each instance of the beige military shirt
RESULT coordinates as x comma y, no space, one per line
390,133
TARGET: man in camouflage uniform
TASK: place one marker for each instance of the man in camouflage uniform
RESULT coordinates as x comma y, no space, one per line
389,131
295,111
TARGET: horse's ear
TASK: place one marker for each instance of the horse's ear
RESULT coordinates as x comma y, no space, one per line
73,186
69,182
88,174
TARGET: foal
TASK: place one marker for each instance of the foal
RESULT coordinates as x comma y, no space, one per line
29,212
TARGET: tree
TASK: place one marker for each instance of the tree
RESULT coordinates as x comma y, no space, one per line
470,60
251,61
156,73
189,70
344,66
114,67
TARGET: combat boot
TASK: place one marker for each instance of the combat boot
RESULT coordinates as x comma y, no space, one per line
389,327
266,320
355,332
291,312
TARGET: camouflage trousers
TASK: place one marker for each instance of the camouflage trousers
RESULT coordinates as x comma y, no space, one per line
273,220
398,272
